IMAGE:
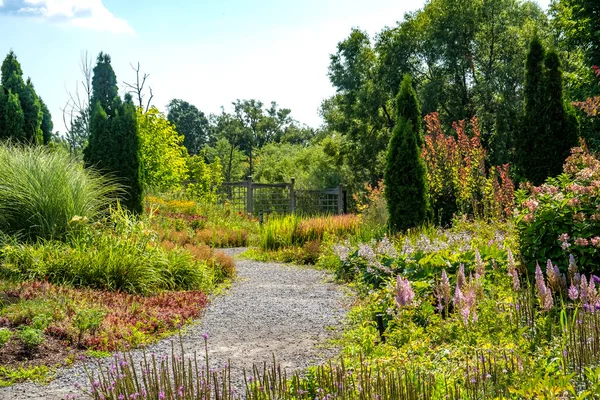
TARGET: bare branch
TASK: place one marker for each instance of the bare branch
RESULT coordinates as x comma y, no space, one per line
137,88
150,99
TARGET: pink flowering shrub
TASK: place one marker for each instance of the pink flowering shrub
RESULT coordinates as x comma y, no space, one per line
562,216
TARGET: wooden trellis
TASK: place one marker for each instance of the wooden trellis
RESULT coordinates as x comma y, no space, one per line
282,198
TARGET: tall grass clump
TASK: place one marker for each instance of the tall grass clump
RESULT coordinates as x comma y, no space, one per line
292,230
42,190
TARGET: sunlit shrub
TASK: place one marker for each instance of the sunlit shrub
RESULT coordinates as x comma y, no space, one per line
458,181
562,216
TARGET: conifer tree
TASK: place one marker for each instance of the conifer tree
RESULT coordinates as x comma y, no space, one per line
3,99
560,122
408,107
531,128
14,118
47,125
114,144
32,111
405,184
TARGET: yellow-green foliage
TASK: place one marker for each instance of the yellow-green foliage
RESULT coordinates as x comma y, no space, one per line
207,178
163,155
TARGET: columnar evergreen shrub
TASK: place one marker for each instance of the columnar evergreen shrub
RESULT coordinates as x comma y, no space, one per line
30,110
114,142
404,178
549,128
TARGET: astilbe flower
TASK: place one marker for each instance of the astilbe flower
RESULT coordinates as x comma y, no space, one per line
512,271
404,292
556,280
443,291
573,292
583,289
544,292
479,264
465,303
461,280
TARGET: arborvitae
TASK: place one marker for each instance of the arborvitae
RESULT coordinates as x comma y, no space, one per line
12,74
408,107
104,84
3,99
32,110
47,125
14,118
12,80
561,125
114,144
404,178
532,128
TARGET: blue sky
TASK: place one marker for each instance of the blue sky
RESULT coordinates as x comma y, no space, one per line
208,52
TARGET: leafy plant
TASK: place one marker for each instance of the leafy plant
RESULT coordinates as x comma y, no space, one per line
457,177
30,337
88,320
562,216
5,336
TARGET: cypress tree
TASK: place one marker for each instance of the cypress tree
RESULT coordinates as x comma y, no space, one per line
47,125
104,85
12,80
14,119
32,110
405,185
3,99
114,144
408,107
560,123
12,74
526,157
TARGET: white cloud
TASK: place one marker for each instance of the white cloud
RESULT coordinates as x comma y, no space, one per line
87,14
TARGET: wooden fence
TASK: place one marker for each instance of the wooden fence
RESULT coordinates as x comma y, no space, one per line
282,198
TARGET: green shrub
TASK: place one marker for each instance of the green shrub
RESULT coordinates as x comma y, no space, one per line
5,335
124,257
41,191
562,217
31,337
88,320
405,184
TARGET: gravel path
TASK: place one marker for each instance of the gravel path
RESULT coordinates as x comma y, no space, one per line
270,309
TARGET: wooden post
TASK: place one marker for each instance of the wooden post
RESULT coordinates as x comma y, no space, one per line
249,207
293,196
340,199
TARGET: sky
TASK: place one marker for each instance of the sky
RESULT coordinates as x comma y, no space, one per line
207,52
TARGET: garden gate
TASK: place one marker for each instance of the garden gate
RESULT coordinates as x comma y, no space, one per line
282,198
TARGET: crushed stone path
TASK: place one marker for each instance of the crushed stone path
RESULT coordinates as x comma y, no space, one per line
270,309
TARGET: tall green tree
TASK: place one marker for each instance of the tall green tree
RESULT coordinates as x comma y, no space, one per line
32,110
12,80
114,143
14,119
47,126
104,85
12,74
405,184
527,160
559,119
191,123
549,128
